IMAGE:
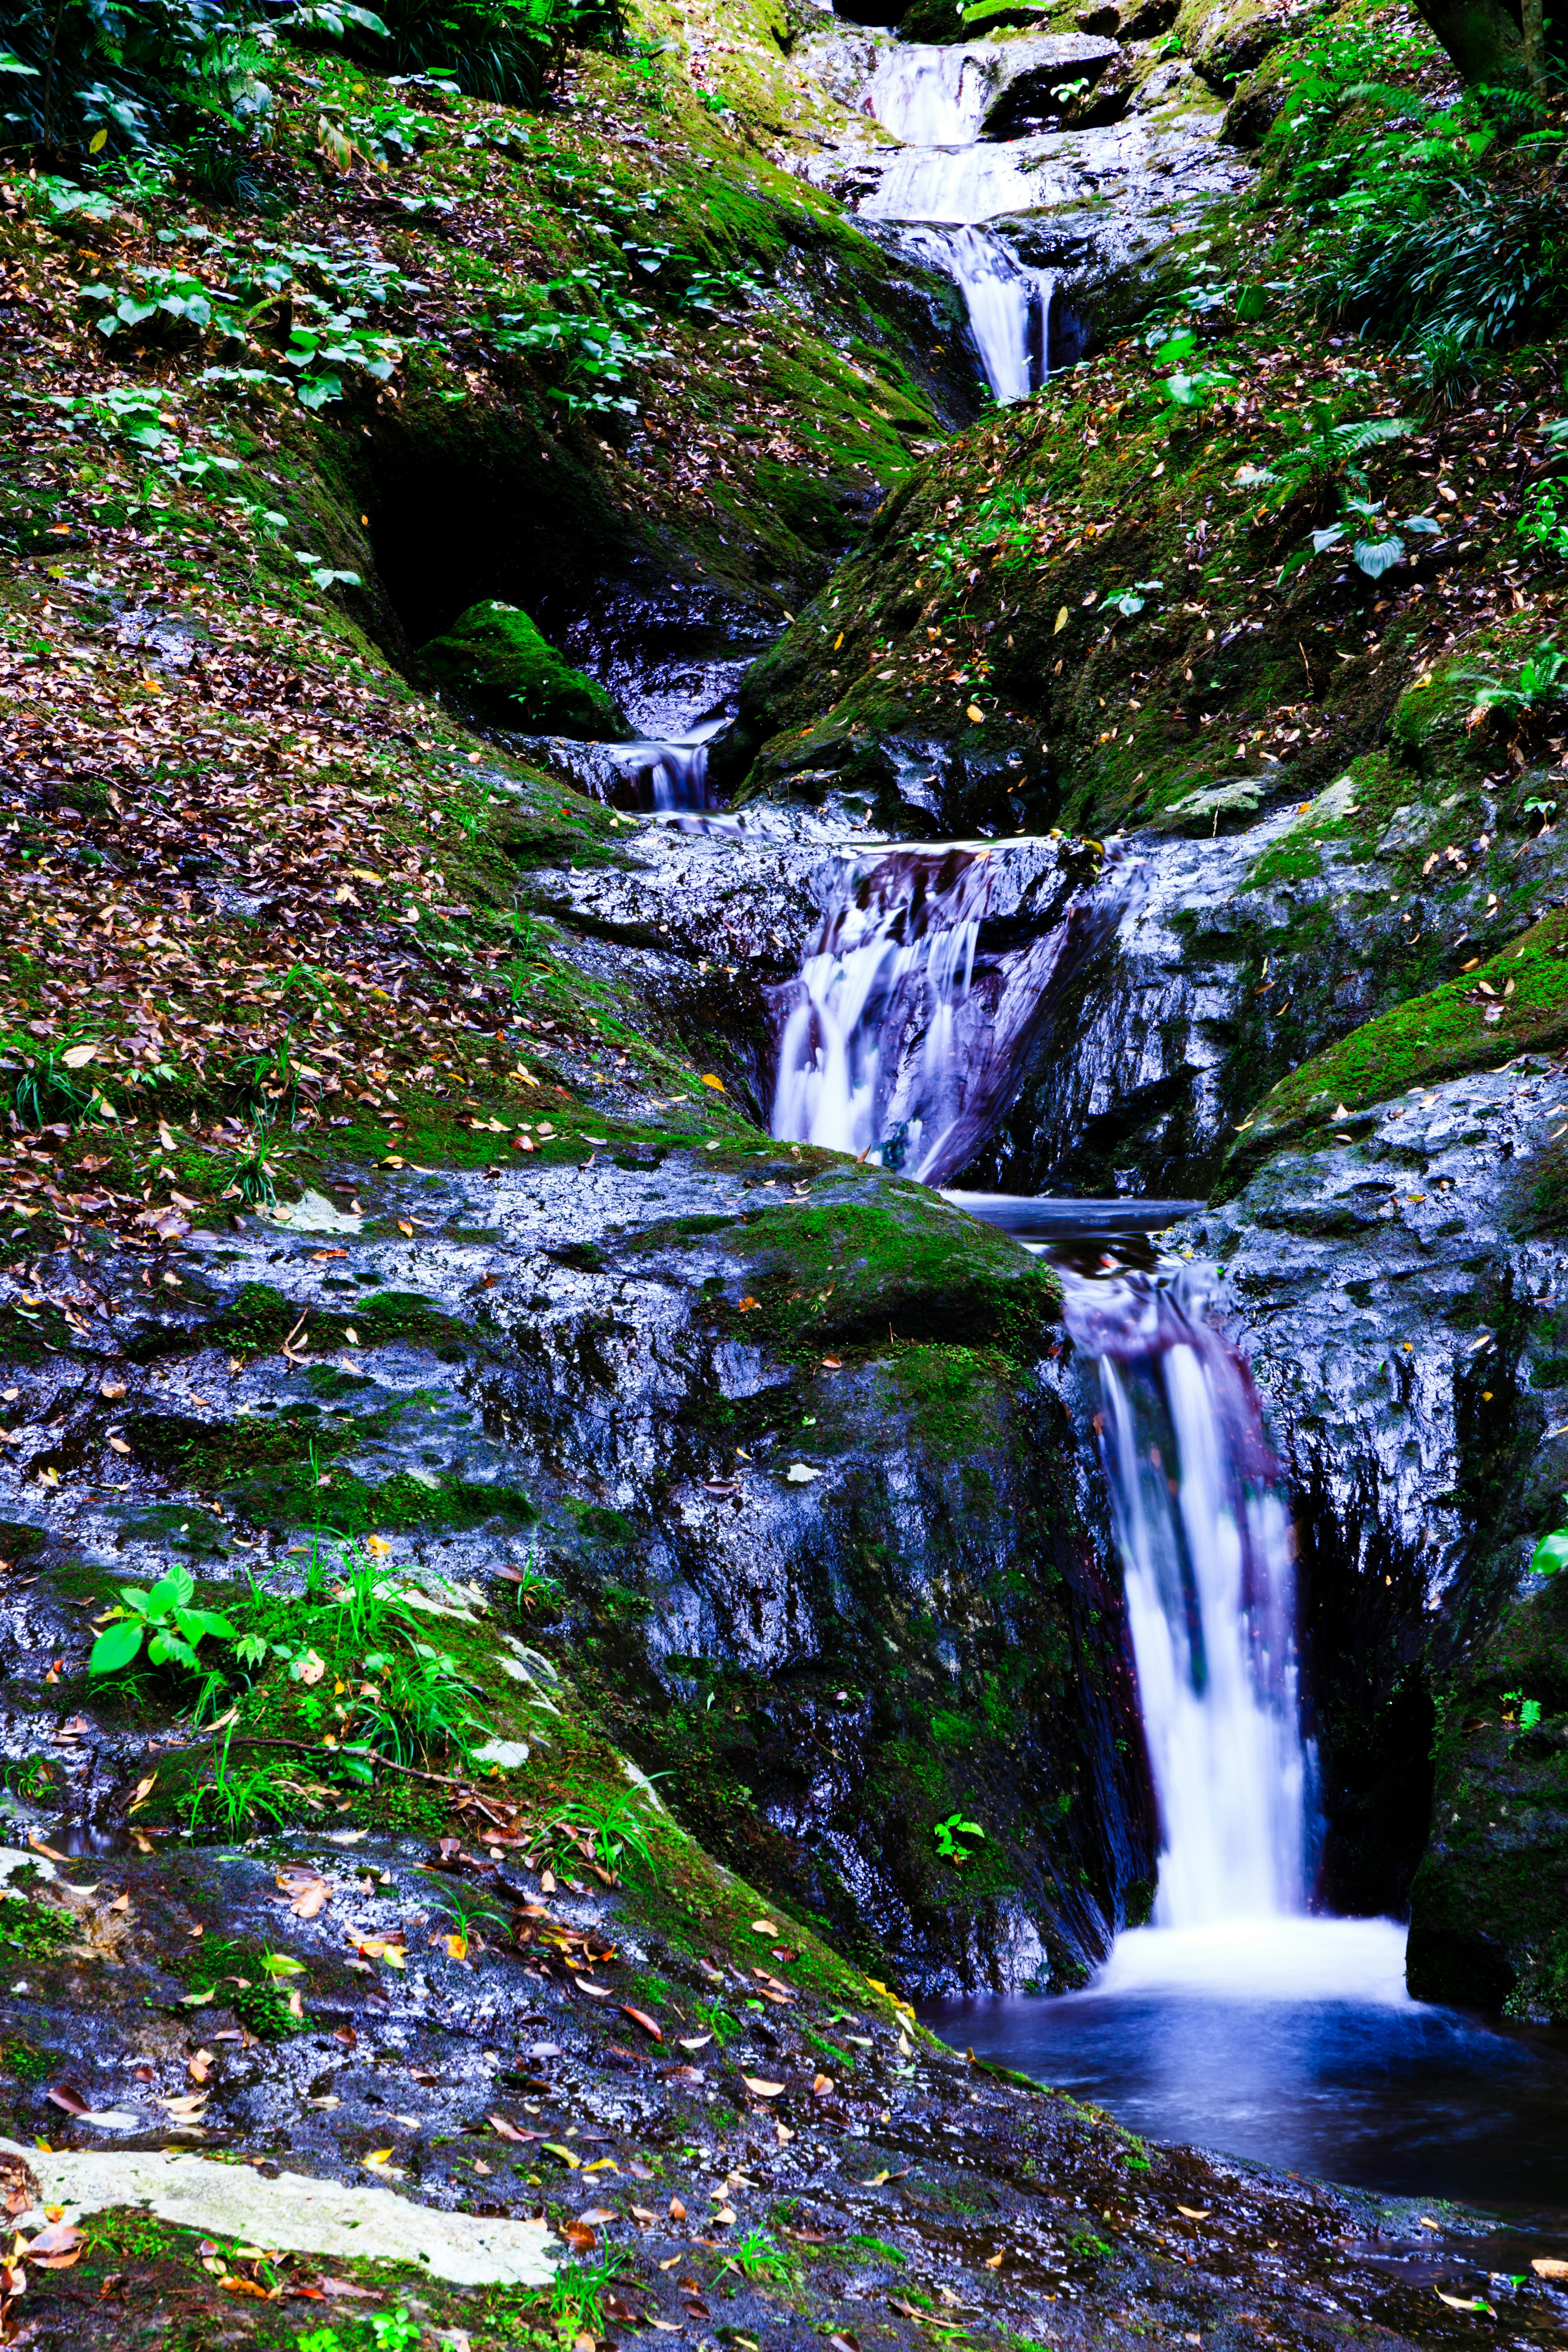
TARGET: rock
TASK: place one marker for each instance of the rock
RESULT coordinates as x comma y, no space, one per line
1231,804
495,659
1226,39
1146,20
1394,1282
1028,72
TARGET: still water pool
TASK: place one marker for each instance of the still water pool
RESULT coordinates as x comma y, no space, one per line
1293,2042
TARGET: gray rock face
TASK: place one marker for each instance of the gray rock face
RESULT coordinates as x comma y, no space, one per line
791,1439
1400,1292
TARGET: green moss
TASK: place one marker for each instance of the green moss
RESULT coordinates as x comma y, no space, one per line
1439,1035
495,658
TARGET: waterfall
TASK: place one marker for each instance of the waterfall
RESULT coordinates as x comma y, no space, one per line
932,97
932,971
1009,305
1207,1550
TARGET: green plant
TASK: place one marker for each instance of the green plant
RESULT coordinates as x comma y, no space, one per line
1551,1553
45,1088
948,1834
610,1827
578,2299
41,1931
1541,685
164,1618
758,2257
136,70
1323,448
1546,522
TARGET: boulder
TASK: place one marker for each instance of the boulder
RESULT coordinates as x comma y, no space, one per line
1228,39
496,661
1030,72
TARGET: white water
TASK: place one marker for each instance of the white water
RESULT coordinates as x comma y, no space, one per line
932,97
947,184
1009,304
1287,1960
1204,1537
891,969
903,1032
673,774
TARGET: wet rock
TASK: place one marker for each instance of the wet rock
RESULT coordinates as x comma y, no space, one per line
1396,1285
1232,38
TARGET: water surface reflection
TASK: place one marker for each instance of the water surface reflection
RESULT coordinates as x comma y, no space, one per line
1294,2043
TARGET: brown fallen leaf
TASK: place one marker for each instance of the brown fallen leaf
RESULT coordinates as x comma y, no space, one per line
993,2262
596,2217
645,2215
822,2084
508,2130
755,2082
1549,2266
66,2095
639,2170
200,2065
842,2341
763,1927
580,2237
640,2017
1194,2212
55,2247
111,1390
677,2209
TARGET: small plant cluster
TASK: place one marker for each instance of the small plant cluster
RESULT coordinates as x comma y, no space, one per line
343,1671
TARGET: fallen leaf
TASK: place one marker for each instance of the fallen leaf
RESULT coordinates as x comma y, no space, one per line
717,1085
581,2239
111,1388
405,1228
1061,621
677,2209
1462,2301
509,2130
568,2156
66,2095
1549,2266
640,2017
993,2262
645,2215
310,1668
763,2090
822,2084
832,1364
200,2065
77,1057
596,2217
1194,2212
378,2158
697,2041
763,1927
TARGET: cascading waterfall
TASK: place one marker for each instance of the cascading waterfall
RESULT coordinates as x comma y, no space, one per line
946,186
892,968
1009,305
904,1031
1205,1544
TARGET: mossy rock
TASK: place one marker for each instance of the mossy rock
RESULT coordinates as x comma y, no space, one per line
1231,39
934,20
496,660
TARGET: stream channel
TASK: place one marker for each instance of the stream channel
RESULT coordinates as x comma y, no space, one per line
1243,2016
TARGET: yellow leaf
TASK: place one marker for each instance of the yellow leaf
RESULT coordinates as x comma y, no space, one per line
377,1547
717,1083
456,1947
97,142
377,2158
974,712
1061,621
838,641
404,1229
573,2163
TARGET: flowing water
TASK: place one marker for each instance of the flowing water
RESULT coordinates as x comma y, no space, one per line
947,183
933,970
1203,1526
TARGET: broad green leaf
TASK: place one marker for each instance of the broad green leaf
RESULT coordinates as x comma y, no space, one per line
115,1647
1376,556
165,1649
174,1590
1551,1553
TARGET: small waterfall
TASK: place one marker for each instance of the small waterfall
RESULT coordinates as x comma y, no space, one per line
932,971
1207,1554
1009,305
932,97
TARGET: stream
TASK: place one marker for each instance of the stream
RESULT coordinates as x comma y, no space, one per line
1242,2016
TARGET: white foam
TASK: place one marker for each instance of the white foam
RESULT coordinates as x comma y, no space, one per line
1360,1961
